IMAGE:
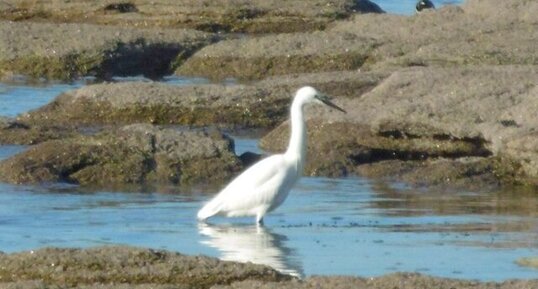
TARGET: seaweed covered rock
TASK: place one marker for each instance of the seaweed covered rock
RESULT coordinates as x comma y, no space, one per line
68,51
261,57
343,148
259,16
13,132
133,154
112,266
480,120
129,267
445,37
332,147
160,103
395,280
262,104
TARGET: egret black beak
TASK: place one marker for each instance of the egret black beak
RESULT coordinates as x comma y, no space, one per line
325,100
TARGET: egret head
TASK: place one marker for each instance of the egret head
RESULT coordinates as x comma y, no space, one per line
308,94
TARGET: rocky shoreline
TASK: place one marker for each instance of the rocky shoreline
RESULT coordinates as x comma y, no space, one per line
129,267
451,92
446,98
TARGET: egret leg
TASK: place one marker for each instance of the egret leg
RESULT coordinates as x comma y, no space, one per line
259,219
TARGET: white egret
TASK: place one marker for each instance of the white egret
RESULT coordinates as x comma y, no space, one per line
264,186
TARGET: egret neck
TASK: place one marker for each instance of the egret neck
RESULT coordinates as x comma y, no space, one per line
297,146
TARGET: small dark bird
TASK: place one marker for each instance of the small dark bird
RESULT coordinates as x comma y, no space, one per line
424,4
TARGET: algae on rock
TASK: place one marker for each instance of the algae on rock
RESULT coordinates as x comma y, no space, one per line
69,51
259,16
133,154
121,265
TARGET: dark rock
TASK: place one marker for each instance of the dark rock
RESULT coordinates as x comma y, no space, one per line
133,154
249,158
366,6
424,4
123,7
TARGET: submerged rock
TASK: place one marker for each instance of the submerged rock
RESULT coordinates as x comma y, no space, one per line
446,37
259,16
132,154
68,51
529,262
116,267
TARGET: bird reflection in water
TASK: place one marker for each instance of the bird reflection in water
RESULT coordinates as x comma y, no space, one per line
251,243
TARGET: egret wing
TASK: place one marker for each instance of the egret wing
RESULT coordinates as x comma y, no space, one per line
251,188
256,175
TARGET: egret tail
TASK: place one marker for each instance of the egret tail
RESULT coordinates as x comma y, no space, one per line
210,209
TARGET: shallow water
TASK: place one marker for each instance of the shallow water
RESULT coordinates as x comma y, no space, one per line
347,226
407,7
19,97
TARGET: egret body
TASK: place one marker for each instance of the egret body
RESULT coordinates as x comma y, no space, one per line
264,186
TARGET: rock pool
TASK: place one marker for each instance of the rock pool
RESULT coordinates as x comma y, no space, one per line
349,226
